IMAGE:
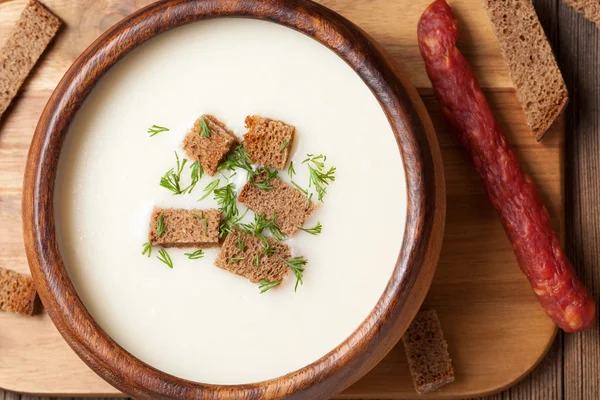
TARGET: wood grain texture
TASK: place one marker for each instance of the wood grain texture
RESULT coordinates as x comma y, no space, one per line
579,58
421,243
86,19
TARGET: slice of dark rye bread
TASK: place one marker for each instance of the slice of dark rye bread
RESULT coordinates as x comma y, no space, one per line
268,142
209,150
590,9
287,203
243,262
17,292
23,47
540,87
186,228
427,353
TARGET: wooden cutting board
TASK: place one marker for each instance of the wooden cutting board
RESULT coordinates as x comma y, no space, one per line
495,329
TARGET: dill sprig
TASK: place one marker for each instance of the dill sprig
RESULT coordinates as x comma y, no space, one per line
147,249
300,188
266,285
228,224
264,177
156,129
257,227
315,230
195,255
209,189
204,129
171,180
284,145
296,264
308,194
261,223
161,226
227,200
319,178
204,221
236,259
196,173
238,158
291,170
164,257
240,243
256,260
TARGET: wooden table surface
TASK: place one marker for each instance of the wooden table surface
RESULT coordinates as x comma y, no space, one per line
572,368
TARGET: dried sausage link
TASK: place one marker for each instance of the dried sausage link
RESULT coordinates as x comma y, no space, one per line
510,190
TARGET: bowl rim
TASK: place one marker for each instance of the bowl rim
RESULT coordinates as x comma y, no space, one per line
421,243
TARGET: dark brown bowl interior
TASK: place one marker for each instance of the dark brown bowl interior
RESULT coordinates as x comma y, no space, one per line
420,247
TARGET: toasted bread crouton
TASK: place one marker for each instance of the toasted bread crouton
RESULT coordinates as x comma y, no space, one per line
17,292
243,254
539,85
268,142
178,227
23,47
209,146
288,204
427,353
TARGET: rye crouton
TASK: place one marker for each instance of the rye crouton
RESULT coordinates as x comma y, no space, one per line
23,47
17,292
209,141
427,353
288,204
178,227
243,254
268,142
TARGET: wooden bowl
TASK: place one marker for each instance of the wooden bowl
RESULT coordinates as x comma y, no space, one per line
421,244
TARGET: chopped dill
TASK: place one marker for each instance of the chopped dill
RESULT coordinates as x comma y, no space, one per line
291,170
257,227
300,188
227,200
196,173
256,260
308,200
171,179
161,227
261,223
156,129
284,145
238,158
203,219
296,264
236,259
240,243
264,178
147,249
164,257
204,129
315,230
195,255
266,285
319,178
209,189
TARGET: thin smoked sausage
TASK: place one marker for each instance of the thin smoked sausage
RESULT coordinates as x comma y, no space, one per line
512,193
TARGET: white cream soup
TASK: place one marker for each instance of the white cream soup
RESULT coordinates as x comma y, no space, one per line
197,321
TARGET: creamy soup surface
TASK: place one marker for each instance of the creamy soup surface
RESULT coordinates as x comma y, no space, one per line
197,321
